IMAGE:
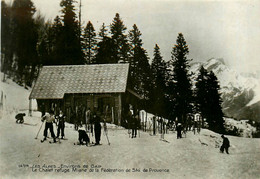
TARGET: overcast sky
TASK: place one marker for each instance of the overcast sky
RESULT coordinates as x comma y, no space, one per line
220,29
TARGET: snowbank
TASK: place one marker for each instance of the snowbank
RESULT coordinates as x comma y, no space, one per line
13,97
242,127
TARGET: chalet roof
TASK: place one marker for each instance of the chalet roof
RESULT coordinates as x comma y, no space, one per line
54,81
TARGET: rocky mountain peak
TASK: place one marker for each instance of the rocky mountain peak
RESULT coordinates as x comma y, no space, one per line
240,93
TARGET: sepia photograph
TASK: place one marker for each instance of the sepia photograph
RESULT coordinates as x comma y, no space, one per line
130,89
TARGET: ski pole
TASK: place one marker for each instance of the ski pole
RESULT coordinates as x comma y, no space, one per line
105,125
105,132
107,137
39,130
57,132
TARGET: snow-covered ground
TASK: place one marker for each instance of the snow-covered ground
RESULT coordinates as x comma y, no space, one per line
13,97
195,156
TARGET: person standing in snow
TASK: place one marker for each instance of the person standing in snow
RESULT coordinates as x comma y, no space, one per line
225,144
179,129
134,125
194,126
97,128
154,125
49,117
61,124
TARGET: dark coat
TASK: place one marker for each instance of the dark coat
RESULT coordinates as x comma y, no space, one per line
179,128
61,120
20,116
226,143
97,128
83,136
97,125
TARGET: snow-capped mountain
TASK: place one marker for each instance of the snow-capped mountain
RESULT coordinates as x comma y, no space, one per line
240,92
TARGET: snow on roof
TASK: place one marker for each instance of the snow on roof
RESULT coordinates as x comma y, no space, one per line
54,81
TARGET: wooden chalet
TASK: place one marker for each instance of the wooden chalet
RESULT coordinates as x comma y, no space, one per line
75,88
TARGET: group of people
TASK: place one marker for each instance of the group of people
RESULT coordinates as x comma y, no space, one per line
90,119
94,119
59,120
224,147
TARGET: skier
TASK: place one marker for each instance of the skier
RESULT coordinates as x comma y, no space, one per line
49,117
134,125
83,136
61,124
19,118
129,120
97,128
198,126
225,144
154,125
179,129
194,126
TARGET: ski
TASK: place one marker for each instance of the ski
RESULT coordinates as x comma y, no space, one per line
80,144
164,140
93,145
51,142
42,140
29,124
63,138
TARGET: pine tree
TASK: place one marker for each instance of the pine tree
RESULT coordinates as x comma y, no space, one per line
208,100
201,93
25,38
159,74
90,42
136,52
106,52
50,44
182,83
135,38
6,39
43,47
72,52
102,32
117,29
140,70
214,109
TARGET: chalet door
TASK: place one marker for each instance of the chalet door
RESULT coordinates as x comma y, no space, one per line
105,105
80,107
